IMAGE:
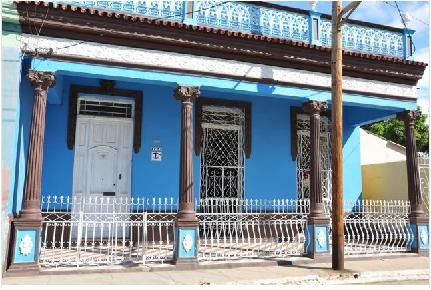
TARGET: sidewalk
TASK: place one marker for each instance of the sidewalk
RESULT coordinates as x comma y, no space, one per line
377,270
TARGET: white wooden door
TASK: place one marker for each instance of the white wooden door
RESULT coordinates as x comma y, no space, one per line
102,174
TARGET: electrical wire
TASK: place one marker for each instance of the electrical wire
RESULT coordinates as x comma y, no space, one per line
405,25
420,20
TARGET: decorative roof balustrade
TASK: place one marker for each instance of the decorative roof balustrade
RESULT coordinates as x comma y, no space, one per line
159,9
271,20
253,19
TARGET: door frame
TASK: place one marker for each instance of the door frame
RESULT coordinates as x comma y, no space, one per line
102,118
107,88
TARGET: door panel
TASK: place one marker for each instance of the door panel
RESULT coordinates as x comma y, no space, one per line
103,156
102,170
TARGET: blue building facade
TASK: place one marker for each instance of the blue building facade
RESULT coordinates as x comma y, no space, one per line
267,58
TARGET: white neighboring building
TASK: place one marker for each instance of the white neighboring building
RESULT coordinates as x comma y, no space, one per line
384,173
376,150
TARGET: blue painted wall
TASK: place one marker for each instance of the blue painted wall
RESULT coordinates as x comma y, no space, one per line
24,109
269,173
11,75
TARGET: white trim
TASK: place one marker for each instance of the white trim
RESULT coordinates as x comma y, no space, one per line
172,60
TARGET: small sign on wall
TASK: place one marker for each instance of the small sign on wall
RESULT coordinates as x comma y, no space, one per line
156,153
156,150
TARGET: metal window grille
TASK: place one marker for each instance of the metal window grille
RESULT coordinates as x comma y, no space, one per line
105,108
304,155
222,157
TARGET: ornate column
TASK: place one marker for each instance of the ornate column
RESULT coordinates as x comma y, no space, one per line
24,243
418,221
186,231
317,228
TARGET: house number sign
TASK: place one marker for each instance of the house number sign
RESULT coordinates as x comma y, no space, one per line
156,153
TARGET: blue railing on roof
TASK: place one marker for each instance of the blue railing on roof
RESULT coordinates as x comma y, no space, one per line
252,18
159,9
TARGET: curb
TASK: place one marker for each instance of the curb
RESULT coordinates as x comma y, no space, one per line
343,278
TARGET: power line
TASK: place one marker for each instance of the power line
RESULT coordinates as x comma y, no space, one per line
401,16
403,21
405,26
421,21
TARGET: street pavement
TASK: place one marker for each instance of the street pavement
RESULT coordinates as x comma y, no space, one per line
406,269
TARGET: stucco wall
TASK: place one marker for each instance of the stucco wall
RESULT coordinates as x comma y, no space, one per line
269,172
385,181
352,182
375,150
11,67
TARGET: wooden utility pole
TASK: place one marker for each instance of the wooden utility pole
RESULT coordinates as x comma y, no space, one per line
337,130
337,141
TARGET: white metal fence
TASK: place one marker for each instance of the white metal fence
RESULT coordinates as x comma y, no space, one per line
377,227
423,162
109,231
236,228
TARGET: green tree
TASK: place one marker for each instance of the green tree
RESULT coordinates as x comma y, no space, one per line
393,130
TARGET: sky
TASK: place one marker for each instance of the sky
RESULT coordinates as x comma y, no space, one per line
386,13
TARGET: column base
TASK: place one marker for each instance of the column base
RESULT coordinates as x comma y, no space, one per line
24,246
420,242
186,242
317,238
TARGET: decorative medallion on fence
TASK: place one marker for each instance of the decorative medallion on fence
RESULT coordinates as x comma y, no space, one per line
423,237
322,244
26,245
24,248
187,238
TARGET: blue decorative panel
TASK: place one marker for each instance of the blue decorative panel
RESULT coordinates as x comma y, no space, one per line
413,243
25,245
316,239
309,241
253,18
361,38
256,19
159,9
321,239
423,237
187,243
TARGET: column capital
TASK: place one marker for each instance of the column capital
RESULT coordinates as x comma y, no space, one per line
409,116
41,79
314,107
187,94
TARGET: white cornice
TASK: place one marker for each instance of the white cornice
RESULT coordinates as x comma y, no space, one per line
205,65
